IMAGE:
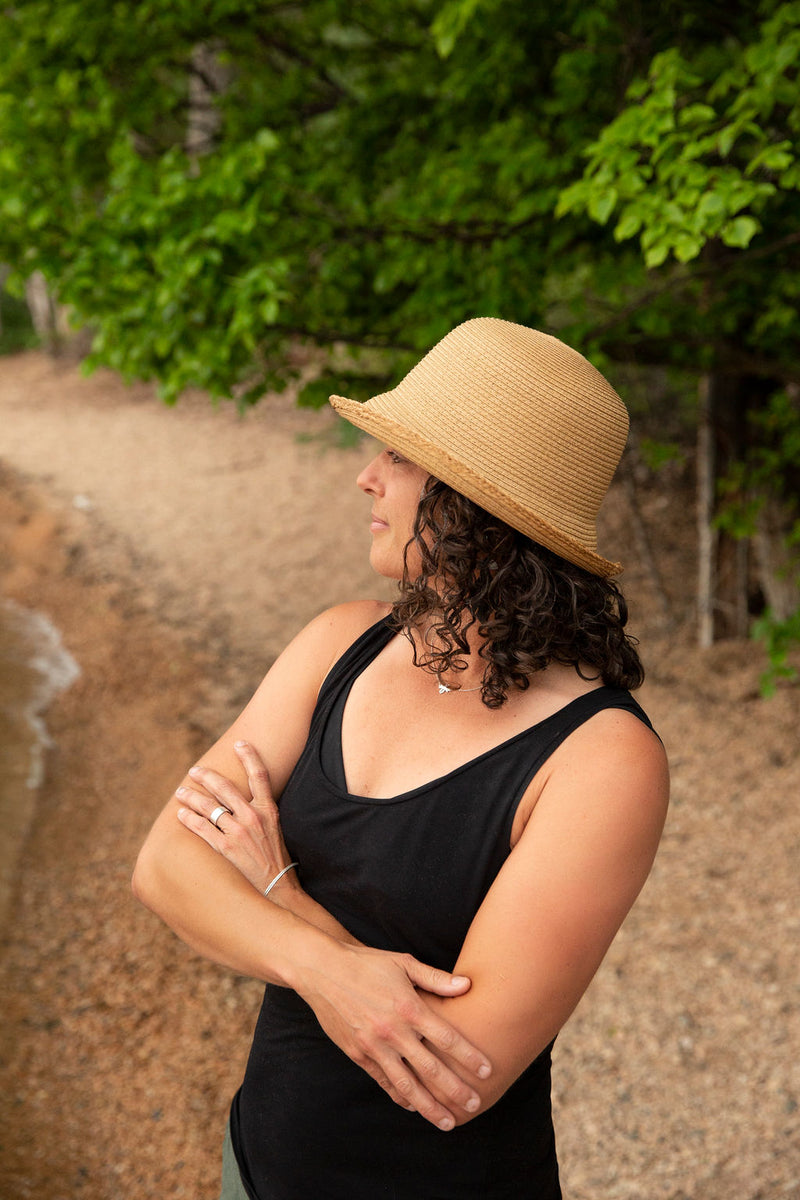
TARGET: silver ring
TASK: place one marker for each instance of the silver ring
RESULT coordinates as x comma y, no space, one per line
216,814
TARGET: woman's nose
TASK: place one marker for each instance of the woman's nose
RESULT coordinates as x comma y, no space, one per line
369,479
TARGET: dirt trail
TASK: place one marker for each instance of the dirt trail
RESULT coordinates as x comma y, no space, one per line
177,551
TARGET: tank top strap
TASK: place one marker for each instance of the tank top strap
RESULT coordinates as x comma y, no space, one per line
355,659
567,719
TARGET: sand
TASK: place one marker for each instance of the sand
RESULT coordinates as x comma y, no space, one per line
177,551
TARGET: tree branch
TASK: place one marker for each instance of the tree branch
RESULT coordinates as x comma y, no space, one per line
293,53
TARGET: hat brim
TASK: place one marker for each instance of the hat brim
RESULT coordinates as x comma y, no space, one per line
481,491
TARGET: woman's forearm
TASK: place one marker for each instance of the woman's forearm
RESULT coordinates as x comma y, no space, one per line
296,901
365,1000
218,913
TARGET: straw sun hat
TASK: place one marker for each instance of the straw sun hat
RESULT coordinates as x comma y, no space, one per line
516,421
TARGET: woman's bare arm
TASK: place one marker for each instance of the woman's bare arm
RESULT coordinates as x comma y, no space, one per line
365,999
200,896
562,894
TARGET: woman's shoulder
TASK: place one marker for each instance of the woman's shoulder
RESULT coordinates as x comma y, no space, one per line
616,735
341,625
325,639
617,752
291,685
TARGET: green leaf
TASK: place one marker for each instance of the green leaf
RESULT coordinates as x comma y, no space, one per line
696,114
687,247
315,394
602,205
726,138
656,254
629,223
739,232
450,22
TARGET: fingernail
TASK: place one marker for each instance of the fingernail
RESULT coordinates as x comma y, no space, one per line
459,979
195,770
446,1124
181,791
484,1071
181,812
240,745
473,1104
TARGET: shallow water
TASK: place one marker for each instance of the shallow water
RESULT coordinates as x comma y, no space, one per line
34,667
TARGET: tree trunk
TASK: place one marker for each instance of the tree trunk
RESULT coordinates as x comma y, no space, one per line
731,569
724,561
778,570
641,534
208,79
706,533
42,310
49,318
3,273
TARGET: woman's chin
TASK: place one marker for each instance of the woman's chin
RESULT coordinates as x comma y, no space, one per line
385,565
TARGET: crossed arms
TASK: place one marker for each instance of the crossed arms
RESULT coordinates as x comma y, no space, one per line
447,1046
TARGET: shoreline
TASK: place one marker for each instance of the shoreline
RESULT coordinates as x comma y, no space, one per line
34,669
73,1007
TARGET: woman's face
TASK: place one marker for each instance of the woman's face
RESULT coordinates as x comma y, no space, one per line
395,486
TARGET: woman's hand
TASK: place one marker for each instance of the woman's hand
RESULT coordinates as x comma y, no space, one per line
367,1002
248,834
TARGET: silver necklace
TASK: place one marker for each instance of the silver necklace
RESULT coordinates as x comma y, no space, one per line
443,688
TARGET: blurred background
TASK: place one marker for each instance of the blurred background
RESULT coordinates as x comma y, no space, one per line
211,217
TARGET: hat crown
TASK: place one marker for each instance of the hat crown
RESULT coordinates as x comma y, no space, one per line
517,421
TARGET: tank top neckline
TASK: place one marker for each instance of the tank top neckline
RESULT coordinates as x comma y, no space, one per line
346,684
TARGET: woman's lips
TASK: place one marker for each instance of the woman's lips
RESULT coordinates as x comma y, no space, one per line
376,524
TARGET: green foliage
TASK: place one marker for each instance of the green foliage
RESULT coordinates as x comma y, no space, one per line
703,147
656,454
780,639
450,22
375,173
357,187
770,468
16,330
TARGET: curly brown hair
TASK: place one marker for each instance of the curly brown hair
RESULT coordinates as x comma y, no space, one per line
531,606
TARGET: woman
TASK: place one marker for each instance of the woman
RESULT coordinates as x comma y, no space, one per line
464,785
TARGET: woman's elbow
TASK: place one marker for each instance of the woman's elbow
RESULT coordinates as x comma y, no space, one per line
139,881
144,881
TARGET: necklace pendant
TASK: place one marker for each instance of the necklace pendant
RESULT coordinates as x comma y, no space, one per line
443,688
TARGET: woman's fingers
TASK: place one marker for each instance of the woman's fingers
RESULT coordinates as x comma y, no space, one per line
257,773
378,1018
221,788
436,1076
233,834
443,1037
406,1090
203,806
436,1031
382,1079
197,821
431,979
246,833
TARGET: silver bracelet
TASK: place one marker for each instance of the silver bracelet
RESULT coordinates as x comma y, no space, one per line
280,875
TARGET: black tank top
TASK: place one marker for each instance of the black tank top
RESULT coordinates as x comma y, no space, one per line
406,873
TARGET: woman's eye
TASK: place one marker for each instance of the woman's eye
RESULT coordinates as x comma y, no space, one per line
395,457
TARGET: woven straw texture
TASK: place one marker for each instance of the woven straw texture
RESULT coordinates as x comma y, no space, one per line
515,420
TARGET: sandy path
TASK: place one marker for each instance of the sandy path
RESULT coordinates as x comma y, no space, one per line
206,542
202,502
